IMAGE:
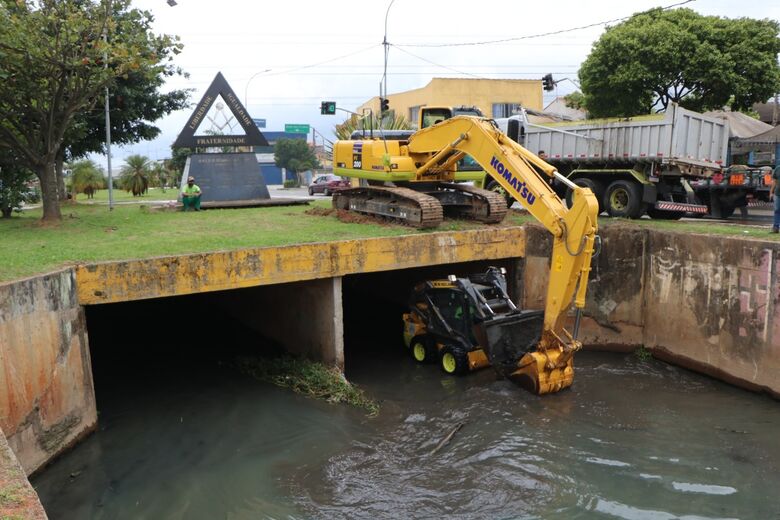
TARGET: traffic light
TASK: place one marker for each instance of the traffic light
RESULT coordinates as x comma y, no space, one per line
384,105
548,83
328,108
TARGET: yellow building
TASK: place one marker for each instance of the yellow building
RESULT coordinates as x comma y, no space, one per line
495,97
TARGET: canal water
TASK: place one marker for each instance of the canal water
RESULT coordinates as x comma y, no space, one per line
182,435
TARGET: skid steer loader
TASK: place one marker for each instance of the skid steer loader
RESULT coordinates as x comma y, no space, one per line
465,324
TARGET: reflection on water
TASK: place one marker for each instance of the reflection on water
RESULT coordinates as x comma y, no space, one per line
632,439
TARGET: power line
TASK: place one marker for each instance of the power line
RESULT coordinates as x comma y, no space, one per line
436,64
322,62
540,35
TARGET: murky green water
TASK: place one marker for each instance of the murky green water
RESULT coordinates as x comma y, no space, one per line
632,439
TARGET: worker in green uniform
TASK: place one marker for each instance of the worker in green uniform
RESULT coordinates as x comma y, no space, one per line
190,195
774,193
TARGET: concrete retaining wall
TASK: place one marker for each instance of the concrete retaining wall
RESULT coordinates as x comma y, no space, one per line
708,303
306,317
47,398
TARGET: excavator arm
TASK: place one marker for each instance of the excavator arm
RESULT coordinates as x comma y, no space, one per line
435,150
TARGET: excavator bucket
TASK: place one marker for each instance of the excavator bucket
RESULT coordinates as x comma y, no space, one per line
511,342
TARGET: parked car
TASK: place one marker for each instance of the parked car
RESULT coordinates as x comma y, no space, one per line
327,184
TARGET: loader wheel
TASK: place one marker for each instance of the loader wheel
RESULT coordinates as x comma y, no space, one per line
624,199
597,187
453,361
421,349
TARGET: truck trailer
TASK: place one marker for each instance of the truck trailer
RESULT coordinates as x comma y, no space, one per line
665,165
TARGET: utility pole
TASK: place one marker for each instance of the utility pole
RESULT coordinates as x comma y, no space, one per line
108,114
387,51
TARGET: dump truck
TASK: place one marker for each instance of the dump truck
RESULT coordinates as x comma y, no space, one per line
417,175
665,165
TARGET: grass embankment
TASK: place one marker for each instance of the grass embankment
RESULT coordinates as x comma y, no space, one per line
90,233
307,378
703,227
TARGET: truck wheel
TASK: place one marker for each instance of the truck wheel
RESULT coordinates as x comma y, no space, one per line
723,211
422,350
453,361
597,187
495,186
664,215
624,199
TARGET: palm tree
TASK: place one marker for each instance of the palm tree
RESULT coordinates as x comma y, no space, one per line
345,129
86,177
135,175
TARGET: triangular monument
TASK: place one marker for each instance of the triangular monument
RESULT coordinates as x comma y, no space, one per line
187,137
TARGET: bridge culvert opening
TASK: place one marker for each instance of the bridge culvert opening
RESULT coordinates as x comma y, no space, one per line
373,306
181,438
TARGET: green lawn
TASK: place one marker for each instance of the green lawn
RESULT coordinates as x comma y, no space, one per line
91,233
123,196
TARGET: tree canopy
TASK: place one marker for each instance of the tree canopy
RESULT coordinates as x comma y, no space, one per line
662,56
53,59
14,183
295,154
85,175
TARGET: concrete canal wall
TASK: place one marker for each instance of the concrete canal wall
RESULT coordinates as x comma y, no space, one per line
47,399
709,303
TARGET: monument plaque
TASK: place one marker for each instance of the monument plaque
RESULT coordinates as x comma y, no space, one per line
219,87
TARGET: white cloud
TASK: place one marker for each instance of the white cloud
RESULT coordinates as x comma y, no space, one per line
243,37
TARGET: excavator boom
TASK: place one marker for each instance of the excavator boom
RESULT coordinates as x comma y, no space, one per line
535,355
524,176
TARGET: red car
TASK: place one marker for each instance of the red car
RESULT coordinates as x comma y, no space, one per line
327,184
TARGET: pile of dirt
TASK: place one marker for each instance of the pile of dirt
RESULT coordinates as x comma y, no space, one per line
349,217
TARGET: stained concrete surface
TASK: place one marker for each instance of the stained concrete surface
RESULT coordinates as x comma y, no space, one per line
709,303
46,391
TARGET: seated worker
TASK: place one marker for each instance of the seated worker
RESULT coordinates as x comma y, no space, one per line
190,195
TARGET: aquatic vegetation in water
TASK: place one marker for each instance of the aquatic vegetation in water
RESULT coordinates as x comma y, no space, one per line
308,378
643,354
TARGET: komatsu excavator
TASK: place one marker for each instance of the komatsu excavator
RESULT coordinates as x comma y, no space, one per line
532,350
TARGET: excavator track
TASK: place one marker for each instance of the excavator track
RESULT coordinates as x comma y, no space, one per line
480,205
403,205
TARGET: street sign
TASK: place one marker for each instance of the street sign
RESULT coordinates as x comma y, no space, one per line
297,129
260,123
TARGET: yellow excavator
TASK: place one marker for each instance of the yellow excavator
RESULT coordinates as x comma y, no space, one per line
418,174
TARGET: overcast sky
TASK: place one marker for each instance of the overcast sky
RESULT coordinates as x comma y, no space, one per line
318,50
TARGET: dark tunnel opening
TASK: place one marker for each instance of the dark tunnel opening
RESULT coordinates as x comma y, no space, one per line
374,304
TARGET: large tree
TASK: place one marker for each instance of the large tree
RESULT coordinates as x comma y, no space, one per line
662,56
295,155
53,70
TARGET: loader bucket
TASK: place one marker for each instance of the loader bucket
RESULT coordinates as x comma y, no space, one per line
511,344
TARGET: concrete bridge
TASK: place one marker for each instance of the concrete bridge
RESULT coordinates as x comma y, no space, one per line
709,303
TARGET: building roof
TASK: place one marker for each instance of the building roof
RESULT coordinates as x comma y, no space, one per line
771,136
765,111
740,125
557,107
